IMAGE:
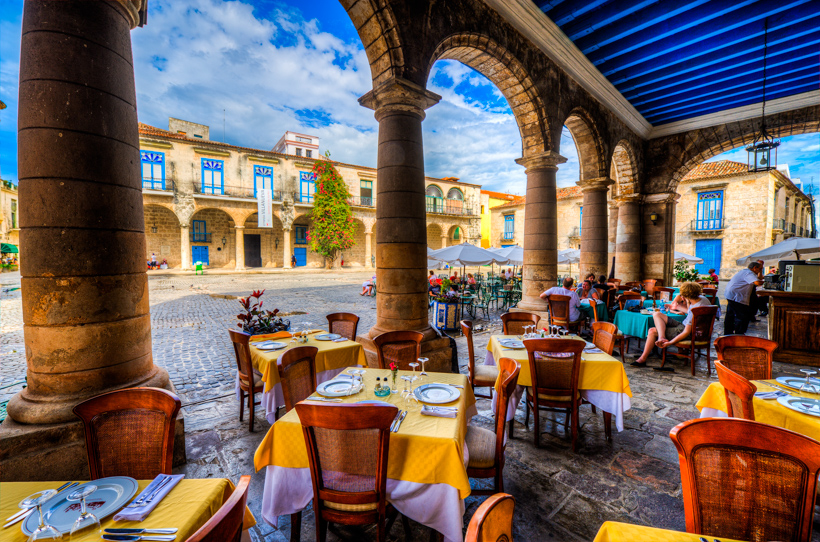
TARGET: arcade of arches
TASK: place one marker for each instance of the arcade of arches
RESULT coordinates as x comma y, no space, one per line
83,230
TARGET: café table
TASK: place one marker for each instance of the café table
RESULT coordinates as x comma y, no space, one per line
648,305
331,359
603,313
712,404
614,531
602,380
637,324
187,507
426,468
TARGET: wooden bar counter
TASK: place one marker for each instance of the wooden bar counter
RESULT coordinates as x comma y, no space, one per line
794,324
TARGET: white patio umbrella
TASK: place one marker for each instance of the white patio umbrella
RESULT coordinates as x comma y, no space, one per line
466,254
514,253
689,259
569,256
796,248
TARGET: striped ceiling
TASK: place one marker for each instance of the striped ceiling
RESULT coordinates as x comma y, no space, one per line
674,60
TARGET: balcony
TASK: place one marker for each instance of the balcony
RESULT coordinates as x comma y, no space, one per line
303,198
362,201
164,185
448,207
779,224
200,237
707,227
508,235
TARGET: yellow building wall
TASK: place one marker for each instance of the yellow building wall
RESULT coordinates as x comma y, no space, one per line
488,203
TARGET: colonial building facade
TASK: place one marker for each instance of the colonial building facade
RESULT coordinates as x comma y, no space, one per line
200,203
9,216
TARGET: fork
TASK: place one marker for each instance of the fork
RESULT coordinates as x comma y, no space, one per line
149,497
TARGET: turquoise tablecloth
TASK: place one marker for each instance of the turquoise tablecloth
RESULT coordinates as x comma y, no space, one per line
636,324
603,314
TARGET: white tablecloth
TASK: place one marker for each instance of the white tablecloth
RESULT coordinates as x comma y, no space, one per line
608,401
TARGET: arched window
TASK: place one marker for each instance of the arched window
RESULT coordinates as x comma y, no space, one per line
455,193
457,234
434,191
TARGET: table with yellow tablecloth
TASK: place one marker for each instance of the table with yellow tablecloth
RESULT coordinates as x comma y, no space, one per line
712,404
613,531
602,379
187,507
331,359
426,470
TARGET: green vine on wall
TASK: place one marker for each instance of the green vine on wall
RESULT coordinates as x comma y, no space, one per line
332,226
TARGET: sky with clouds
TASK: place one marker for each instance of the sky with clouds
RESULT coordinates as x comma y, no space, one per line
254,70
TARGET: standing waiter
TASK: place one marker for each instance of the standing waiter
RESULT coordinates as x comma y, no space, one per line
738,297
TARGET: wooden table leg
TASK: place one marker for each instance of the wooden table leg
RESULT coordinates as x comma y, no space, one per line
295,527
608,425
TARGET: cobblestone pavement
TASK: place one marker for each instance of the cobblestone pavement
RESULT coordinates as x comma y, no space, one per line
560,495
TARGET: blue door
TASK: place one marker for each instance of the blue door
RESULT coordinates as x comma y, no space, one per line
710,250
301,256
199,254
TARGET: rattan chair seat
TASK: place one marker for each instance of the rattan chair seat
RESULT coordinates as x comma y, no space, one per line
481,445
560,398
257,380
351,507
485,375
684,344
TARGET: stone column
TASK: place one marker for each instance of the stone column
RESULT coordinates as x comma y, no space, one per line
85,291
287,250
240,247
594,226
613,231
444,240
628,238
540,229
401,240
185,247
658,236
367,250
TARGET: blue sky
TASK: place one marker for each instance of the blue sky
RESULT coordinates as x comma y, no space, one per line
273,66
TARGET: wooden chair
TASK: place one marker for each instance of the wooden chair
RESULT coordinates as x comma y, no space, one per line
746,480
604,336
750,357
487,448
624,297
704,282
226,524
650,286
347,447
493,520
658,283
482,376
617,282
250,381
711,295
559,313
343,323
666,294
633,284
297,374
555,383
514,322
401,347
703,321
739,393
130,432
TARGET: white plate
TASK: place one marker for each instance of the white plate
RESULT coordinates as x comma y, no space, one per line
334,388
645,311
328,336
511,343
270,345
112,494
803,405
437,394
796,381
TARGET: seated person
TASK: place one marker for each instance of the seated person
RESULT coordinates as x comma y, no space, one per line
590,278
586,291
574,302
668,331
454,277
679,305
601,283
470,279
367,286
509,274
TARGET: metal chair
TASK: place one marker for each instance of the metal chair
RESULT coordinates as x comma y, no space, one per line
739,393
400,347
343,323
226,524
703,322
250,381
482,376
130,432
492,521
750,357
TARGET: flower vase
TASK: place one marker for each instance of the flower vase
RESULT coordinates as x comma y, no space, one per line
394,389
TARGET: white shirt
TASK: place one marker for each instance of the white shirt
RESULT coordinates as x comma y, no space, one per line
740,287
508,275
574,302
702,302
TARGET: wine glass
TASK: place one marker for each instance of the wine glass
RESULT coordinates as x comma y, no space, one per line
414,365
43,531
406,391
807,385
87,523
423,372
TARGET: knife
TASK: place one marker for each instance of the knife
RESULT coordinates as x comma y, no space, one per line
403,415
111,530
395,420
23,514
130,537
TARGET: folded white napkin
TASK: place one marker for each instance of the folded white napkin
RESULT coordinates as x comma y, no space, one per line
440,412
593,350
769,394
139,513
339,340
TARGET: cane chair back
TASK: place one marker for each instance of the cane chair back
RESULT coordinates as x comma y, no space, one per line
343,323
514,322
493,520
624,297
711,295
750,357
601,293
604,336
747,480
399,347
347,447
650,285
658,283
241,347
617,282
226,524
665,294
704,282
297,373
480,375
559,311
633,284
130,432
739,393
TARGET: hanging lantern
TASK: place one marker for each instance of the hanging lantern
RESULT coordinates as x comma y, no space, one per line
760,152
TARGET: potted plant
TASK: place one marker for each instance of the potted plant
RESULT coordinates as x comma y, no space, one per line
255,321
685,274
445,308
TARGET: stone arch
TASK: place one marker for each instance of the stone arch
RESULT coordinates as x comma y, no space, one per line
219,225
500,66
455,235
588,141
378,30
455,193
624,170
434,234
271,240
166,242
434,191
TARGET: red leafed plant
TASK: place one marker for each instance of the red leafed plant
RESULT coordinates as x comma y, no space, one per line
256,321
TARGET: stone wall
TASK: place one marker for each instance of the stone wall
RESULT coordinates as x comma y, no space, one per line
166,243
355,255
272,255
219,225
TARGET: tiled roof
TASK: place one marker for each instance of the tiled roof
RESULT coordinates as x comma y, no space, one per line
499,195
721,168
561,193
519,200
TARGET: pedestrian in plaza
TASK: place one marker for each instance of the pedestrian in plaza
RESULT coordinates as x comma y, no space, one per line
668,331
153,261
566,289
738,298
293,260
713,276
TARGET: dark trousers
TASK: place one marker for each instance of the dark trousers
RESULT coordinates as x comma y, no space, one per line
737,318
